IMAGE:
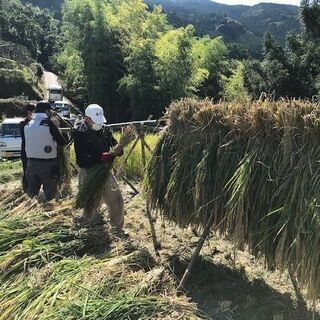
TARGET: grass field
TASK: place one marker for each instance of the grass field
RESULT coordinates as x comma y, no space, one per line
10,170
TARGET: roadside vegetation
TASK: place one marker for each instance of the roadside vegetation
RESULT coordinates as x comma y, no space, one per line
10,171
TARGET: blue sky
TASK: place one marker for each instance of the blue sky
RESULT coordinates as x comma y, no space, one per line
252,2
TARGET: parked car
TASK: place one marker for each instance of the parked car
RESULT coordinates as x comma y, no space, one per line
10,138
62,108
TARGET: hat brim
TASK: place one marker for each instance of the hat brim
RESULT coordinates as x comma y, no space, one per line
98,119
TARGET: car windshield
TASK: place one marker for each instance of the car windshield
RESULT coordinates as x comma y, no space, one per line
10,129
55,91
65,108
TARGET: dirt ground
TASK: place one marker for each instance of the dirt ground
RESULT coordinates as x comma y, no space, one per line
226,283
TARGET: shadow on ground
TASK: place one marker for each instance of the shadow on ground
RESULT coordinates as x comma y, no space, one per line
223,293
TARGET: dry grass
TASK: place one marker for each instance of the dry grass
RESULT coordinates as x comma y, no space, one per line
255,167
52,270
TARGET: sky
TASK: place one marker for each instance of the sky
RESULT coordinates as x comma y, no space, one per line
252,2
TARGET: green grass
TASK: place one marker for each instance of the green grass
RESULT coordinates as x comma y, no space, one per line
10,170
134,167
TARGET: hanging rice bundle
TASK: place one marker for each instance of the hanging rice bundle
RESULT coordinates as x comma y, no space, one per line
64,184
255,167
92,189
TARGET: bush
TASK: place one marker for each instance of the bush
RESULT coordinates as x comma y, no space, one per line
16,82
12,107
8,64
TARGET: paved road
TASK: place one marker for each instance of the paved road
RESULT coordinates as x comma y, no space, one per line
51,79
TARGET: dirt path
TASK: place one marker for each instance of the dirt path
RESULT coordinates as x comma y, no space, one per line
226,283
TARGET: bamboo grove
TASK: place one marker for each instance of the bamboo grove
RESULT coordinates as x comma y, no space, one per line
255,167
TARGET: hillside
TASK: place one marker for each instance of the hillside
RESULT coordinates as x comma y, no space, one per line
241,24
236,23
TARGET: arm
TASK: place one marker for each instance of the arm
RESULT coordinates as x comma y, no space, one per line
21,127
113,143
54,131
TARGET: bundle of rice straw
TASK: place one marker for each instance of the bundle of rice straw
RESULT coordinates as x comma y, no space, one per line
92,189
255,167
64,183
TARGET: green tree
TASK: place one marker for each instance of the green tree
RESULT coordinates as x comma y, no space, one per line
212,63
29,26
175,65
233,86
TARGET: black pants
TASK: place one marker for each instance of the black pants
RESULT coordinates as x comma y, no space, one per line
43,173
24,160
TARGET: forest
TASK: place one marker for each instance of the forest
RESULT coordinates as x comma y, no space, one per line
128,57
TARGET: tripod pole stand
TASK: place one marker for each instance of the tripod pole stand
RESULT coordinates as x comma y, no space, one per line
141,137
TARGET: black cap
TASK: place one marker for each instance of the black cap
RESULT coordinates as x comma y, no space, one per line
29,107
42,107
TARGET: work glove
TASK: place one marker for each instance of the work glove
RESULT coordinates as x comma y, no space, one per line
107,156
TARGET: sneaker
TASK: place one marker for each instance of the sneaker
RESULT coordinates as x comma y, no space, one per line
119,233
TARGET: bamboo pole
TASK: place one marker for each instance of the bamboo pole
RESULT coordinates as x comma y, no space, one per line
196,253
127,157
156,244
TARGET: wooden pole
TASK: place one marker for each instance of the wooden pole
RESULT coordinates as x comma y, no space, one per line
127,157
129,184
156,244
196,253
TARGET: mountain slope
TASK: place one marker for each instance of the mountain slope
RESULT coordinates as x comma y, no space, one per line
236,23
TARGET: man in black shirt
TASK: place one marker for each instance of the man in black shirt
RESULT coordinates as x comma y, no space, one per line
93,142
29,111
42,139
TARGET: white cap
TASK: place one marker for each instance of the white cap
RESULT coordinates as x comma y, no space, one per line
95,112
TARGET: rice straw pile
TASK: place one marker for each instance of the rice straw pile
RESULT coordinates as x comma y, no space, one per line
91,191
256,167
50,270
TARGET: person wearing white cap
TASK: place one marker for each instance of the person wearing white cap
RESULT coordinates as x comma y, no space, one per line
92,143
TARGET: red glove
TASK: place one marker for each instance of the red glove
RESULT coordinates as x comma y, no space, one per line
106,156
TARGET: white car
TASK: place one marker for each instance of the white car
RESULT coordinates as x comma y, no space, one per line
62,108
55,93
10,138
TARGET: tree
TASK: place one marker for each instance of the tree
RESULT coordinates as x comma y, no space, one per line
233,86
29,26
293,71
211,59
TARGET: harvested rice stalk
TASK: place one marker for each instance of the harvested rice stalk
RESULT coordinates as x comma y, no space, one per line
40,240
64,185
92,189
89,288
256,167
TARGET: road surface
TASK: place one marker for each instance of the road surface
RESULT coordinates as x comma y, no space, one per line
51,79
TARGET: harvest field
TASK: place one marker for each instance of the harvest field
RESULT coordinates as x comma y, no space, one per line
51,269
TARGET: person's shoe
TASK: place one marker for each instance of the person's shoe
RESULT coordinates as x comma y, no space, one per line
119,233
86,221
123,235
